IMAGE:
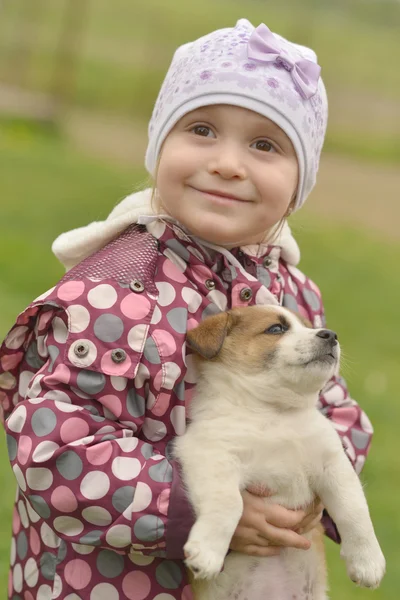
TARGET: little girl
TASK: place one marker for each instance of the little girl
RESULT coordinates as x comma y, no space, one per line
95,376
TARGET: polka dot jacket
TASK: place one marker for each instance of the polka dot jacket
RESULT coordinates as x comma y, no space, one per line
94,383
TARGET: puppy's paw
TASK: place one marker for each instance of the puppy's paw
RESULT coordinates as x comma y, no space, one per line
202,560
366,564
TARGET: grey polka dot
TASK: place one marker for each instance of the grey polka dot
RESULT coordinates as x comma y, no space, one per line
211,309
40,506
108,437
90,382
179,390
135,404
312,299
92,538
69,465
53,352
98,418
169,574
110,564
11,447
161,471
22,545
92,409
147,450
151,353
179,249
43,422
32,357
16,597
169,450
149,528
62,552
360,439
177,318
263,276
108,328
290,302
158,553
123,498
48,566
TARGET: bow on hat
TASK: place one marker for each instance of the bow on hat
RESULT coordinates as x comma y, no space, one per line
264,47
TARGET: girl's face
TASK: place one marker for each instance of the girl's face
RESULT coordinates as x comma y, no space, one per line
227,174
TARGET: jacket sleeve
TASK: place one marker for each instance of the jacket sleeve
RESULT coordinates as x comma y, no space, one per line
75,449
347,417
353,427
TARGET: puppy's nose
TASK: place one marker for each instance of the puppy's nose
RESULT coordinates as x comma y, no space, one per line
328,335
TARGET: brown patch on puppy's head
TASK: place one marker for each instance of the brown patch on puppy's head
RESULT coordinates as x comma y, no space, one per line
207,339
238,336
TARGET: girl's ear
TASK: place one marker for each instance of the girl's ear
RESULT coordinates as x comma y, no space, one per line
208,338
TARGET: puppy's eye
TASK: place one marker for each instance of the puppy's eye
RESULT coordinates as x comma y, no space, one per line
276,329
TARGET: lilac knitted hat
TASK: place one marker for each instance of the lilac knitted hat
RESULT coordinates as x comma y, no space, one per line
255,69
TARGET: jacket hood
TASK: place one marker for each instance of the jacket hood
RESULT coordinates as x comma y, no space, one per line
74,246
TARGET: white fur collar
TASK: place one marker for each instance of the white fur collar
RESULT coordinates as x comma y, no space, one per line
74,246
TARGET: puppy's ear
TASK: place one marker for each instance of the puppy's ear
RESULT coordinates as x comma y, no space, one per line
208,338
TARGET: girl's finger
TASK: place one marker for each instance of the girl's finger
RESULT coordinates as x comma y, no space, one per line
260,551
309,526
284,537
246,536
283,517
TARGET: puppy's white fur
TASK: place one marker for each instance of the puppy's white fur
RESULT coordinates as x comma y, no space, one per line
254,420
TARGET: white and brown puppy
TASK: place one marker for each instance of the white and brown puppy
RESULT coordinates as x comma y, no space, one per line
254,420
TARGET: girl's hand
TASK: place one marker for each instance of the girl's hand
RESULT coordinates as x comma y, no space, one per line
313,516
263,528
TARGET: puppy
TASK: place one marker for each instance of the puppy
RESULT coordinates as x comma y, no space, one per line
254,421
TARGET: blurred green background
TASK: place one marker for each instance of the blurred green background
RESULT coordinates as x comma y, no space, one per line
77,84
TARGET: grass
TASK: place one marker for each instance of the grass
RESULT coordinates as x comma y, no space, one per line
47,187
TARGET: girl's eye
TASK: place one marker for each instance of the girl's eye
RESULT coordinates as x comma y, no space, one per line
202,130
264,146
276,329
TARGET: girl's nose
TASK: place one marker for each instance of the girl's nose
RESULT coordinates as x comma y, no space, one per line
227,163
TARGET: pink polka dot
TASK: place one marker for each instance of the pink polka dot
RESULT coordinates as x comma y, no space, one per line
191,324
78,574
136,585
64,500
70,290
303,312
187,593
61,374
4,401
113,403
28,596
163,501
16,522
10,361
201,273
162,404
346,416
112,368
158,380
24,449
44,319
73,429
172,272
34,541
135,306
100,453
236,299
10,583
165,342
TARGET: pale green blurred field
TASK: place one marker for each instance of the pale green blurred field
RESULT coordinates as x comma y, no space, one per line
47,186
